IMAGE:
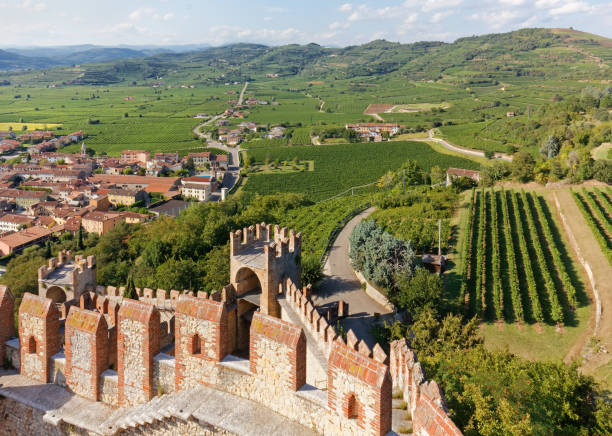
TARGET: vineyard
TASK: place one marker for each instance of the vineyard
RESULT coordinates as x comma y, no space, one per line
596,206
517,267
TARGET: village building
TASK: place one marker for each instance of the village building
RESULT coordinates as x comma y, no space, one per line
100,222
454,173
369,129
199,187
140,157
127,197
17,242
12,222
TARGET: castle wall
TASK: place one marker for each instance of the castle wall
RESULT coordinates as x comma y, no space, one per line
7,327
138,343
87,350
201,340
39,336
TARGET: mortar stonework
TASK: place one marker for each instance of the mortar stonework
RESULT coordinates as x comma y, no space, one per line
134,370
105,332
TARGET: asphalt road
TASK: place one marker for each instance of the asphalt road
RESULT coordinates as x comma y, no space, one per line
341,283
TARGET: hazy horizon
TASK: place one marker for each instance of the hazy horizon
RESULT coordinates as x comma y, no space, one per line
43,23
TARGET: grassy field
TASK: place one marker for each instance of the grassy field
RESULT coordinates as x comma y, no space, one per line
338,167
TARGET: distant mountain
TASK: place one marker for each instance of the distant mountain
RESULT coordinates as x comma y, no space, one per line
472,61
12,61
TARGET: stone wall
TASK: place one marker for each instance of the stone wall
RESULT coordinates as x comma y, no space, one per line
359,388
201,340
87,350
137,344
39,334
425,399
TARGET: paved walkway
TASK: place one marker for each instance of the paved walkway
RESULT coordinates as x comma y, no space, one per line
341,283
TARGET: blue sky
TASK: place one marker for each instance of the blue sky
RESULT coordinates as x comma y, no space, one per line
326,22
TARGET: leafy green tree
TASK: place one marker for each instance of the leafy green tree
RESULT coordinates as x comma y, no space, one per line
420,292
551,147
523,165
437,175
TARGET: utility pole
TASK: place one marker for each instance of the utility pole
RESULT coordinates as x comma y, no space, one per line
439,237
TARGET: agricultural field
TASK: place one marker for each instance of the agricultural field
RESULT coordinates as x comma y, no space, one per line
339,167
518,268
596,207
19,127
317,221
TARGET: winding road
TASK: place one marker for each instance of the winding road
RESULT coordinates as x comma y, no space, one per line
234,152
458,149
341,283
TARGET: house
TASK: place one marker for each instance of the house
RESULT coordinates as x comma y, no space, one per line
220,123
16,242
23,199
167,186
199,187
100,202
275,132
12,222
454,173
510,114
140,157
366,129
100,222
135,218
200,159
127,197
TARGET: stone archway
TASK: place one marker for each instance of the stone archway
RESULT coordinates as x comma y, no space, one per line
249,287
57,294
247,281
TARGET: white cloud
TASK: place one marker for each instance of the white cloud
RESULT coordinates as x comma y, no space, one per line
439,16
168,16
225,34
571,8
338,25
346,7
140,13
433,5
412,18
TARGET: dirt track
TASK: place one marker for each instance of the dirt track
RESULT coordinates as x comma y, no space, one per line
589,253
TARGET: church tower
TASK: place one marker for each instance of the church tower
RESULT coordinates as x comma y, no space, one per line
83,150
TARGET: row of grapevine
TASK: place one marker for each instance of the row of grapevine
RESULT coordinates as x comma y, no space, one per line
598,231
465,249
498,303
480,256
515,293
556,310
532,291
569,288
514,267
599,212
605,198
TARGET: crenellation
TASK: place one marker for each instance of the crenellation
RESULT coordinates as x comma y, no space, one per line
112,348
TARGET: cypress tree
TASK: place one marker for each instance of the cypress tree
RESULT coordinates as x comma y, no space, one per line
80,237
130,289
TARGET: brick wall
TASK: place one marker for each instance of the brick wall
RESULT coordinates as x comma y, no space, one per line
39,336
7,326
359,387
137,344
201,332
87,351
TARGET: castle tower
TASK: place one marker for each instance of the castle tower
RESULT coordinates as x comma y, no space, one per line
83,150
65,278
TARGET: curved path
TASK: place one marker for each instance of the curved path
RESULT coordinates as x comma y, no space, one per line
341,283
458,149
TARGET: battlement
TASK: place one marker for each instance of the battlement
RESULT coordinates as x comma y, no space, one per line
126,353
424,398
66,278
282,240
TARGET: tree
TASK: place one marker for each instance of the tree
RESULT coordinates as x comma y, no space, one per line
437,174
523,165
551,147
130,289
189,165
497,170
80,237
422,291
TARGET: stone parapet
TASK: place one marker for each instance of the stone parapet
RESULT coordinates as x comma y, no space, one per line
424,398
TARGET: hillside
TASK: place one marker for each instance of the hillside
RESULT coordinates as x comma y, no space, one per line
542,53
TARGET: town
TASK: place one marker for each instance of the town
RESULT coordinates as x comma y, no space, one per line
45,193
